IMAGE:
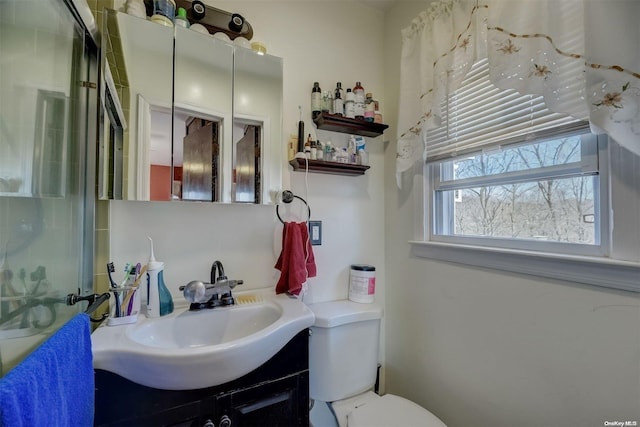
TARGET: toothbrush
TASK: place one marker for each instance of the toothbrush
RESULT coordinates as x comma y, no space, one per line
111,269
138,269
127,273
130,298
142,271
128,301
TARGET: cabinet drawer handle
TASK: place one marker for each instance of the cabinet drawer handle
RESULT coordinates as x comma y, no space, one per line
265,402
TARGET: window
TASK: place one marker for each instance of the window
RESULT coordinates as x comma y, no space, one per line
513,186
545,195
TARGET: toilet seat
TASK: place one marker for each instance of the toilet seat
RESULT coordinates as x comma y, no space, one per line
371,410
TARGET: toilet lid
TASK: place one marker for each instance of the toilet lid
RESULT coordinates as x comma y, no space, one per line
391,410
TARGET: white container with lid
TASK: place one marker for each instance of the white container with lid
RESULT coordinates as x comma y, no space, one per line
362,283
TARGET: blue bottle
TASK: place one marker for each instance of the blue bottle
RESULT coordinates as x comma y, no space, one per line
159,300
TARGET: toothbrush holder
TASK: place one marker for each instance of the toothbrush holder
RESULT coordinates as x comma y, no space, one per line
124,305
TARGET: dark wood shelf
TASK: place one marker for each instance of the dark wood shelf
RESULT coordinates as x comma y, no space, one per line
334,168
334,123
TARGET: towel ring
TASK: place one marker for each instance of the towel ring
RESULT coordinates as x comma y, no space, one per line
287,197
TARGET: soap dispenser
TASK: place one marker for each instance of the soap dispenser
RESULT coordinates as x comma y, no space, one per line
159,300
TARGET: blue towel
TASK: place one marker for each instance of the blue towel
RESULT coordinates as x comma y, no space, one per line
54,385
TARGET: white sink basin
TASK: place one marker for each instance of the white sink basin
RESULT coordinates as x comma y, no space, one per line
196,349
205,327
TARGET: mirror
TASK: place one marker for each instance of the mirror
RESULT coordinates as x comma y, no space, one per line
257,126
201,121
203,102
137,64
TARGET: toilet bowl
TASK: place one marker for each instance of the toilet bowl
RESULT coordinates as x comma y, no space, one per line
343,360
371,410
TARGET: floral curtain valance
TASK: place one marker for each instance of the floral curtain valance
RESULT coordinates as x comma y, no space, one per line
581,55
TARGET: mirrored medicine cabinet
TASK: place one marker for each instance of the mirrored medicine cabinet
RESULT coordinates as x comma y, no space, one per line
186,116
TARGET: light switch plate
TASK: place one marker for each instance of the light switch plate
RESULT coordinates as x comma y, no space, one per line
315,232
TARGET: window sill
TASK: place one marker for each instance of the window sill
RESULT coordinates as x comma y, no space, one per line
605,272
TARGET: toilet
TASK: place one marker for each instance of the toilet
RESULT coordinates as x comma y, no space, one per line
343,360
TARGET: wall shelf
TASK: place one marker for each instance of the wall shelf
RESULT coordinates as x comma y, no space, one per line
333,168
334,123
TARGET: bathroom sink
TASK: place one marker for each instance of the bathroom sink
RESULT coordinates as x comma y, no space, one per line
195,349
206,327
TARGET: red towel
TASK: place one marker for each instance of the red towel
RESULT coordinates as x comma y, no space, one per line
296,261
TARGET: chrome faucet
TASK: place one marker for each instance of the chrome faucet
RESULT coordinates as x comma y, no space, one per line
217,266
213,294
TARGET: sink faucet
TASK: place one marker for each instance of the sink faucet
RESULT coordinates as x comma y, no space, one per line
217,265
213,294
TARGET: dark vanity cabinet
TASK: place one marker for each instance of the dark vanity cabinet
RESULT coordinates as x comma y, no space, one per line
275,394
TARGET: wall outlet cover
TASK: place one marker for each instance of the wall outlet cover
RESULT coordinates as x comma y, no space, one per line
315,232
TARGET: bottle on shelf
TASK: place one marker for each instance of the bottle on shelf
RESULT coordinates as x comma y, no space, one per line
328,152
291,146
349,104
338,103
327,102
307,147
351,150
181,18
313,151
358,92
164,12
316,100
369,108
340,90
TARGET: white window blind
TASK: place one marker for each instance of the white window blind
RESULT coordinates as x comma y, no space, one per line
479,115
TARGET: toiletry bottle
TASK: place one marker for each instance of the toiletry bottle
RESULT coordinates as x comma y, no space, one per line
369,108
181,18
340,90
358,92
291,147
307,147
316,100
338,105
159,301
164,12
328,152
351,150
349,105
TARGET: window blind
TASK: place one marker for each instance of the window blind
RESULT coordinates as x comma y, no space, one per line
480,116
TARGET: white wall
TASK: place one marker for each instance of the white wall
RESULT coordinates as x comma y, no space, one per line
480,347
326,42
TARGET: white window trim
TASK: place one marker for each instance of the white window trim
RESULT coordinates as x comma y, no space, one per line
592,270
606,272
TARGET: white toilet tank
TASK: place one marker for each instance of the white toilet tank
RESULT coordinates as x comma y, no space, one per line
343,349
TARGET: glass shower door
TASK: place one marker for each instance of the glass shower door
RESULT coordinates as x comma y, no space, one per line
43,169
